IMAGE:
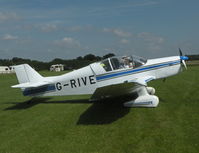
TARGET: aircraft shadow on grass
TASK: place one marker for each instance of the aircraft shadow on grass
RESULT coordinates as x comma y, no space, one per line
102,112
34,101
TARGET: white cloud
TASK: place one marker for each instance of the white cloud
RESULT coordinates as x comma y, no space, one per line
78,28
9,37
8,16
75,28
120,7
48,27
153,42
118,32
121,33
109,50
149,37
139,4
124,41
68,42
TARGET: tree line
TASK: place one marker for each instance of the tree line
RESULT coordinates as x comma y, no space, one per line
193,57
69,64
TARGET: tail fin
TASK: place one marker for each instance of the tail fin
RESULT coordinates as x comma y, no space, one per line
26,74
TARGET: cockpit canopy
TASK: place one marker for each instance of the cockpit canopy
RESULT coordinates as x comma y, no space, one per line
122,62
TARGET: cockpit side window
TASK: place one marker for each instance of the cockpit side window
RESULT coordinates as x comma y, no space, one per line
116,63
128,62
139,61
106,65
124,62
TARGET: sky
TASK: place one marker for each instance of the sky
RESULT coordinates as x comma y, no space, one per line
49,29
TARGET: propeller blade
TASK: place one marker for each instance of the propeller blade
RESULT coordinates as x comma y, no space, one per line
183,61
180,52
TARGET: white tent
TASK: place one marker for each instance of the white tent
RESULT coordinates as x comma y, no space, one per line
57,67
6,69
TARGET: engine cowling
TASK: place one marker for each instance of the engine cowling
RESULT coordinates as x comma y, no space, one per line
143,101
150,90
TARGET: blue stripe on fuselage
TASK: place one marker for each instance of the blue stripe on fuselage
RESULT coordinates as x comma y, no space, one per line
38,90
98,78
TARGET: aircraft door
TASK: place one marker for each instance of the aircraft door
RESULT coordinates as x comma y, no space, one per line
97,68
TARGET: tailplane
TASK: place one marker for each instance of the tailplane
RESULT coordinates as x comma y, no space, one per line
28,77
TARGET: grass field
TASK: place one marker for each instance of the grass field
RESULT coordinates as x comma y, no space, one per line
65,124
193,63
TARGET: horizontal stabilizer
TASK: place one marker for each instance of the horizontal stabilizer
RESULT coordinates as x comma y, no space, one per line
31,85
28,77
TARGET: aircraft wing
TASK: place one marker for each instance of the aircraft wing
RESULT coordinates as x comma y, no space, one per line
116,90
31,84
112,91
143,80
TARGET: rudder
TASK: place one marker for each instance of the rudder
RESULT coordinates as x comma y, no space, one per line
25,74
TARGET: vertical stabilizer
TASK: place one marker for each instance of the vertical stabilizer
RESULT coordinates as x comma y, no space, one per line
25,74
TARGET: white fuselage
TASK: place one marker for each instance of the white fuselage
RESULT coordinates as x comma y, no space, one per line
87,79
159,68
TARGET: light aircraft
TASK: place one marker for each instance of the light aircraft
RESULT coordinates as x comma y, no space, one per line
112,77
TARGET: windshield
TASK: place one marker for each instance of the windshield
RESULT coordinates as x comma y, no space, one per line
123,62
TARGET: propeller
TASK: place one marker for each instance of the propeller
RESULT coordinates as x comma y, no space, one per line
183,58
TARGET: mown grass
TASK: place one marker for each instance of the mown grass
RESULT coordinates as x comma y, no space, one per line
65,124
193,63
